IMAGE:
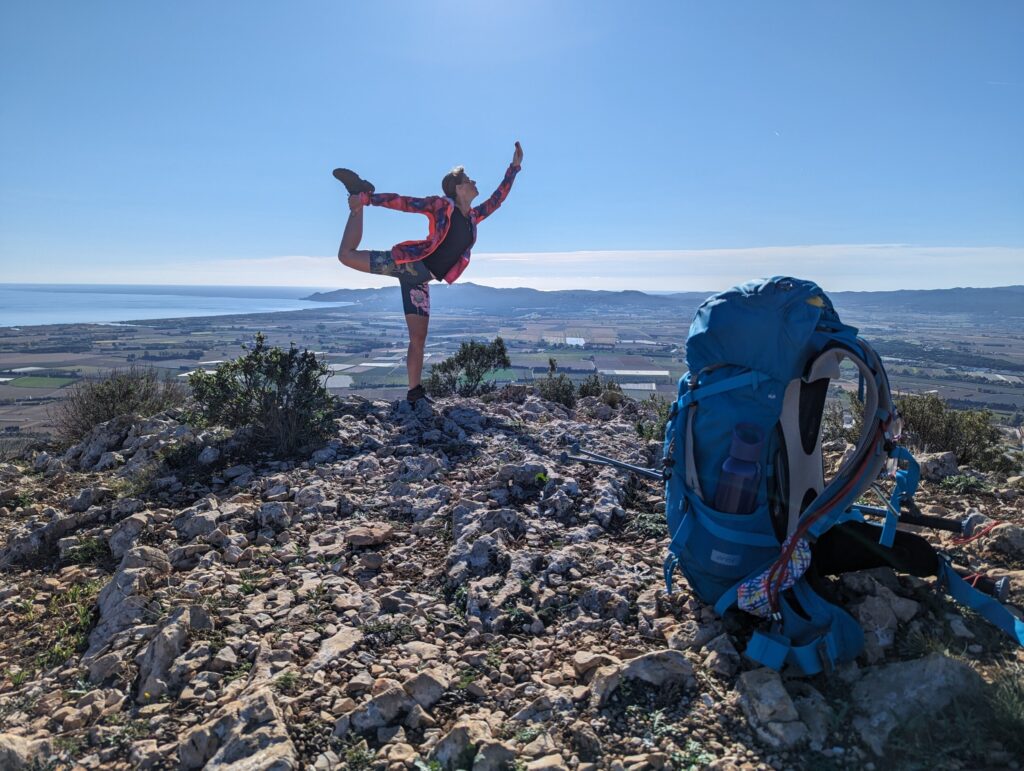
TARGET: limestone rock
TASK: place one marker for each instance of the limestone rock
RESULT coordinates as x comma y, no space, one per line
770,710
248,734
335,647
458,747
888,695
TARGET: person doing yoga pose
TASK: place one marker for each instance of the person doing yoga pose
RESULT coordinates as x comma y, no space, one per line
442,256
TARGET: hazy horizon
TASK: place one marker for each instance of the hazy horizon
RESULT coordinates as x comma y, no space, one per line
297,291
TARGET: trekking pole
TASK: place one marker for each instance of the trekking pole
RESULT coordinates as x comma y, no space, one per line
915,517
601,460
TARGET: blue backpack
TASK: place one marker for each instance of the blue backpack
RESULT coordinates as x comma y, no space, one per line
745,433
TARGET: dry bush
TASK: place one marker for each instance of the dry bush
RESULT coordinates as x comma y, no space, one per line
132,391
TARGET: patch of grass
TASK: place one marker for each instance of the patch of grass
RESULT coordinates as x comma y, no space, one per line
23,500
90,551
41,381
250,582
70,618
19,677
289,683
121,731
466,676
70,745
27,608
494,659
136,485
242,670
1006,700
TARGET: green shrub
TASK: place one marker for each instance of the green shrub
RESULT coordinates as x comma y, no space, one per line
590,386
557,388
963,484
464,373
931,425
833,426
652,426
132,391
281,394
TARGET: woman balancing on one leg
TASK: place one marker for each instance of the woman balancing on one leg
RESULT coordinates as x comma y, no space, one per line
443,255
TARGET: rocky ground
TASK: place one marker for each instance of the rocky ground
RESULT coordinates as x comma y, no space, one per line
434,590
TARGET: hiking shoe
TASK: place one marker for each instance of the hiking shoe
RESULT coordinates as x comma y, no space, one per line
416,394
352,181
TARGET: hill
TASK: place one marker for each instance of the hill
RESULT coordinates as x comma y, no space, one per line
432,589
998,301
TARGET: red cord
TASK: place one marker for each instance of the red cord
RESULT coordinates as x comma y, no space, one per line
780,569
961,540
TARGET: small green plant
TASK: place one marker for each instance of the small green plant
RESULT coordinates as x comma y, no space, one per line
494,659
19,677
90,551
71,746
528,734
287,683
242,670
357,755
249,582
70,619
26,607
132,391
22,500
460,599
464,373
963,484
466,676
691,757
121,731
280,394
558,387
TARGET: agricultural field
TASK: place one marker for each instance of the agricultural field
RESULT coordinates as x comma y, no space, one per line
972,363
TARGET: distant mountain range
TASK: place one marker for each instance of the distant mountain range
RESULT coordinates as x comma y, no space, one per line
1005,301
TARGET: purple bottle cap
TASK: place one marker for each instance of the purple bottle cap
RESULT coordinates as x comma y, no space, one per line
747,439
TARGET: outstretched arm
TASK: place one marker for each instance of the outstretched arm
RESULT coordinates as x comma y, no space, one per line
487,208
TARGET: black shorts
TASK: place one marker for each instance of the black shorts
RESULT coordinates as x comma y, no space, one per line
413,277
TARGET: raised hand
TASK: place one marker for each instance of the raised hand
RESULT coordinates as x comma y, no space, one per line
517,156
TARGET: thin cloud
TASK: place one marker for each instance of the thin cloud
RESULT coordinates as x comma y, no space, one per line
864,267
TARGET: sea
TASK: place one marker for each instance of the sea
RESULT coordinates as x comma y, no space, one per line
33,304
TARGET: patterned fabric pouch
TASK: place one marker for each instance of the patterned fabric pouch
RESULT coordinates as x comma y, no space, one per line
752,594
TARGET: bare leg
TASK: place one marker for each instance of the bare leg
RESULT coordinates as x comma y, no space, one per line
417,340
348,254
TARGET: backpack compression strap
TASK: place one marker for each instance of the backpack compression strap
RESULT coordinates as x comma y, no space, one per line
984,605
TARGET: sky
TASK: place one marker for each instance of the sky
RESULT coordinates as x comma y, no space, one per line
669,146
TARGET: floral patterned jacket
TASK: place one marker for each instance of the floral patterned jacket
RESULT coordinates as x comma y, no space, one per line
438,210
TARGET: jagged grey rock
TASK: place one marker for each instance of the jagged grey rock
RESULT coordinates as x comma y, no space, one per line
888,695
770,709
